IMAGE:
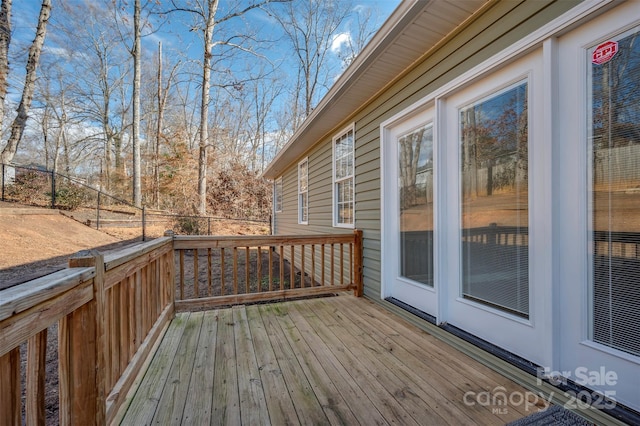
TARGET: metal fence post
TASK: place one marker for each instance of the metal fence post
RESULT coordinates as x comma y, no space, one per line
2,181
53,189
144,223
209,226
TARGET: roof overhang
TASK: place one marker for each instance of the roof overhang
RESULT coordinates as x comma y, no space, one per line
412,30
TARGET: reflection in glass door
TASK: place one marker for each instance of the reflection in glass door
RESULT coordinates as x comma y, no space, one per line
615,192
495,218
415,192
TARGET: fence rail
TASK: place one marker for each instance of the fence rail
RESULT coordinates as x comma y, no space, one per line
98,209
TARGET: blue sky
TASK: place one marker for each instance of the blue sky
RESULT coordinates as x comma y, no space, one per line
174,35
177,40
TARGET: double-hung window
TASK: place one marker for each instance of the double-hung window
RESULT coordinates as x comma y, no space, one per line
303,192
343,178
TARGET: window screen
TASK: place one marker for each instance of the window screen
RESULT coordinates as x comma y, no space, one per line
494,200
614,72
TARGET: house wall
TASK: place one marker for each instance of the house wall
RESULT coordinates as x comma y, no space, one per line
496,29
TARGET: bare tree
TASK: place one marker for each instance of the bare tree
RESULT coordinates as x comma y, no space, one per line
101,69
162,94
20,121
207,21
135,137
310,27
5,41
362,28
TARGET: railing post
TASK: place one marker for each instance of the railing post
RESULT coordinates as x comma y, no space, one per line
171,279
358,263
82,348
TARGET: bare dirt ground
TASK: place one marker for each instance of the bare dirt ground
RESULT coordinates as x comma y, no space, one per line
36,244
40,242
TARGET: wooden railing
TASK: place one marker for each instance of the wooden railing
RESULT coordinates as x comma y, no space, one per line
111,311
214,271
109,314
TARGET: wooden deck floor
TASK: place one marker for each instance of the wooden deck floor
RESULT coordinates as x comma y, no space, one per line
339,360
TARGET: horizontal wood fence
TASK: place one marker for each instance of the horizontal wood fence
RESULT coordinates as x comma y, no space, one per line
215,271
111,311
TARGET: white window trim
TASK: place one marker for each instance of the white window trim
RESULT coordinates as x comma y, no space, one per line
334,204
300,221
276,193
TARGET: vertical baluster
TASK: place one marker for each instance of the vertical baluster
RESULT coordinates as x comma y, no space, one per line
322,263
235,270
222,283
281,267
247,264
209,272
259,269
313,265
125,355
195,273
341,263
36,362
270,269
181,274
113,329
333,261
302,266
292,270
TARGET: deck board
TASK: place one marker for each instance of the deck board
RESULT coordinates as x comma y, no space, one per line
197,410
338,360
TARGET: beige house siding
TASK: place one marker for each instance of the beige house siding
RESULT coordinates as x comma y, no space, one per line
496,29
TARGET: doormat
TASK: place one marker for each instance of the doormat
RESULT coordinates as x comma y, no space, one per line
552,416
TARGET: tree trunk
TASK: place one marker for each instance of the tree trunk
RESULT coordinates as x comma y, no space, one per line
5,41
137,190
156,153
19,123
204,108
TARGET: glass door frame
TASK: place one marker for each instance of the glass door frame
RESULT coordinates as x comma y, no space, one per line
417,295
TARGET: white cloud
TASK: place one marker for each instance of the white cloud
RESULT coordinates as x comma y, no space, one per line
339,40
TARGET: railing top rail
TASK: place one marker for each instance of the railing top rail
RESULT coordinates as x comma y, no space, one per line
125,255
27,295
199,241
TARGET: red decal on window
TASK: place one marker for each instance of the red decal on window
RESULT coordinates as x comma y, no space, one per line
604,52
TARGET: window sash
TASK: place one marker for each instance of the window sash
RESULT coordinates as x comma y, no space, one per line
343,179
